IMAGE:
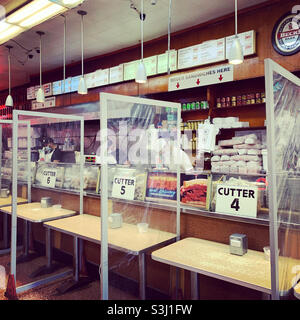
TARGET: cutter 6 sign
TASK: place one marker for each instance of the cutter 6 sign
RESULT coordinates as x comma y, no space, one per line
286,34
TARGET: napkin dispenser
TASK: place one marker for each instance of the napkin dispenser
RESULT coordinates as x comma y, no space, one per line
238,244
46,202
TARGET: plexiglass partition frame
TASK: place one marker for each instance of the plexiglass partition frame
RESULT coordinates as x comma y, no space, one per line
271,68
5,225
104,98
16,122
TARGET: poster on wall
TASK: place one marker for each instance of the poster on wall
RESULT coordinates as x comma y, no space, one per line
161,186
286,34
193,191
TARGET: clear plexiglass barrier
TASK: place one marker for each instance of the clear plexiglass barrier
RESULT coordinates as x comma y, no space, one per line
283,126
37,147
141,160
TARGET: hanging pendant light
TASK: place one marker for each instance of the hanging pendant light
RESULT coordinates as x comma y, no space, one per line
236,55
141,74
82,88
169,36
40,96
64,54
9,100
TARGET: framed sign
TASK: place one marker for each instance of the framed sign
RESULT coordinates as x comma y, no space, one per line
236,200
286,34
123,187
49,178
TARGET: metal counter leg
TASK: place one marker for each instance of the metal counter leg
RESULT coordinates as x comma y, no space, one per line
142,274
26,256
50,267
194,286
77,281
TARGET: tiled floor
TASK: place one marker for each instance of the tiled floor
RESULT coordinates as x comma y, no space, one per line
48,292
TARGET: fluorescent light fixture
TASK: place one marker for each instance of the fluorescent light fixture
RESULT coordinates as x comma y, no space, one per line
4,26
10,32
28,11
30,15
141,74
236,52
42,15
68,3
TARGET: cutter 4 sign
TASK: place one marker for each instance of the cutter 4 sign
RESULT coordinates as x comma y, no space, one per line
286,34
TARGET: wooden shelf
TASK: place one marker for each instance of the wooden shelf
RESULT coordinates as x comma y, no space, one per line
243,129
194,111
246,106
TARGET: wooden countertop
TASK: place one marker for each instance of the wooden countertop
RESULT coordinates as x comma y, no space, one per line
33,212
127,238
213,259
7,201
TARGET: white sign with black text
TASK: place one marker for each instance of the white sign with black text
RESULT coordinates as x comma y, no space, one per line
204,77
123,187
236,200
49,178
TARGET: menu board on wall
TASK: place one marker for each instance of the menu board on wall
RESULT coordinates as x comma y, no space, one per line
130,69
204,53
31,93
162,62
68,85
116,74
75,83
47,89
151,65
248,42
49,103
101,77
57,87
90,80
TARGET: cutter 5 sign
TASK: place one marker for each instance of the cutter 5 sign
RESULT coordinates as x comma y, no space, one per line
286,34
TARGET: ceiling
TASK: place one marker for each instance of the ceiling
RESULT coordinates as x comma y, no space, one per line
110,25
